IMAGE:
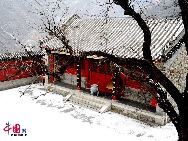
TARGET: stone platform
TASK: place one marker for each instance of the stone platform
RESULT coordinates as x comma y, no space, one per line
102,105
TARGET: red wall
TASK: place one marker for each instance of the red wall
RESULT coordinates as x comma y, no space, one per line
99,74
16,69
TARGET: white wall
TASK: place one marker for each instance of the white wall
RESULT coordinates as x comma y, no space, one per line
176,68
16,83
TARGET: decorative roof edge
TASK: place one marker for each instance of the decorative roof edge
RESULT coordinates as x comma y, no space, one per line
173,50
17,55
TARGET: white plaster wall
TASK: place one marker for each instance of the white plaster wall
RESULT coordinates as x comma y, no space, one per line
72,79
176,68
16,83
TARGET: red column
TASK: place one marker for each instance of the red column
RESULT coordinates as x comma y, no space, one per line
78,69
51,67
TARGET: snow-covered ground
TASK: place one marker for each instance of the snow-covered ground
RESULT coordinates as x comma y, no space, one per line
49,118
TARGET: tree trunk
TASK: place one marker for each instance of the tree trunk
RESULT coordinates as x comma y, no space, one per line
183,108
183,134
181,100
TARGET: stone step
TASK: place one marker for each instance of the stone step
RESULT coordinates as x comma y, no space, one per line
67,97
82,101
103,105
105,108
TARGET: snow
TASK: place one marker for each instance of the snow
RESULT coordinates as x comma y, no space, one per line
19,18
50,118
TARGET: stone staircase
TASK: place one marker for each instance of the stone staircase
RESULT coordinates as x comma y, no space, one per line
82,99
103,105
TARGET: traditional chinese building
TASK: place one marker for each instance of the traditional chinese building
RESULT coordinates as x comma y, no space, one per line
123,38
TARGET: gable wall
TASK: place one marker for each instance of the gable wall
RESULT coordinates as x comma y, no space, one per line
176,68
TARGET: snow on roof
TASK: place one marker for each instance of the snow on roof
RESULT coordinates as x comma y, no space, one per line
19,54
120,36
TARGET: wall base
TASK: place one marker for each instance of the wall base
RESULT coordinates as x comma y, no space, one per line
16,83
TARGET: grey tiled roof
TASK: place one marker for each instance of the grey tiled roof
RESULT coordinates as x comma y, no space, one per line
121,37
19,55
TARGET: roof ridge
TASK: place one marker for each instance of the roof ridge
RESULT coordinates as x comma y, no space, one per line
126,18
173,50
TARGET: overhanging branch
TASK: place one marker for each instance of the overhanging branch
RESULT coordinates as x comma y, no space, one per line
147,34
